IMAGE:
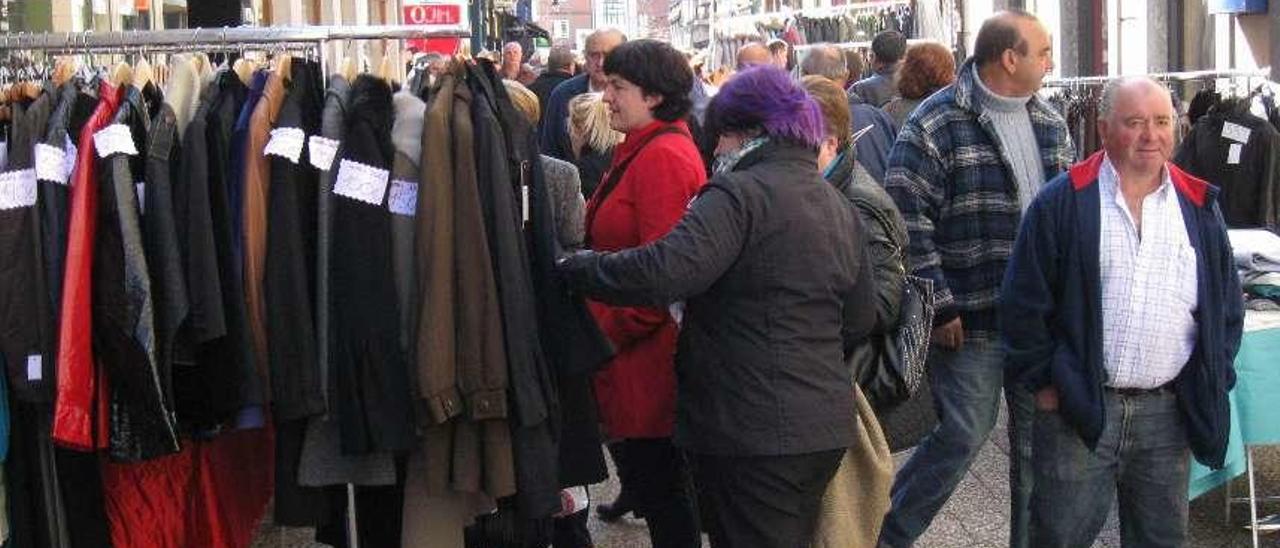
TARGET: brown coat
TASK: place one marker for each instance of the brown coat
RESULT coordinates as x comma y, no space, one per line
461,359
257,179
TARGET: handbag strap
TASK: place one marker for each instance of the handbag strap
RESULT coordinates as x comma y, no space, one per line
615,176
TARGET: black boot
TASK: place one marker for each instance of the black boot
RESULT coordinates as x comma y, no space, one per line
614,511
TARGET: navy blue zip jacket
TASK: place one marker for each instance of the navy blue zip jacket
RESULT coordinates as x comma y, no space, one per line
1051,308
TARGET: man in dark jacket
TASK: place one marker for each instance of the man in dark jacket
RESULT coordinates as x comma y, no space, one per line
559,69
887,48
965,164
1121,310
553,133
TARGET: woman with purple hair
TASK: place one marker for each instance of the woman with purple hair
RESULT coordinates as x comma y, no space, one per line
769,263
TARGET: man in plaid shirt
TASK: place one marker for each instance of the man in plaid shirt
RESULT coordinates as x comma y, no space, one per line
967,163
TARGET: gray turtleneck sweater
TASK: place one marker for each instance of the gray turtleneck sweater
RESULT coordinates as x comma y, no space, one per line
1017,138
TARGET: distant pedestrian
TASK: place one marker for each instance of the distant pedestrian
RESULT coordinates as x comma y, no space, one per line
887,49
927,68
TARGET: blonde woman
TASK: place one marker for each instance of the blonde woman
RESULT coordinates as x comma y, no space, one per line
592,138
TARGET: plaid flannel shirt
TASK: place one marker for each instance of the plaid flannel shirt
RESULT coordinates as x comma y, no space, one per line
952,182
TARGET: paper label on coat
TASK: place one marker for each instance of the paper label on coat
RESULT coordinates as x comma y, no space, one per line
524,202
1236,132
1233,153
35,367
361,182
69,160
51,163
114,139
286,142
403,199
17,189
141,188
323,150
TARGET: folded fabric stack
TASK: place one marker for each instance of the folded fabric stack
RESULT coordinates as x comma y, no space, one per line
1257,255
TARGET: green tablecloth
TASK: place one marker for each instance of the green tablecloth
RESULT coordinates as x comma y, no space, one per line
1255,416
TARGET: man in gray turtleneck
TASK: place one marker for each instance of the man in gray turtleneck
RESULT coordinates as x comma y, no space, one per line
964,167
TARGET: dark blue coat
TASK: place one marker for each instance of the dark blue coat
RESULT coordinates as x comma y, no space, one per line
1051,308
553,130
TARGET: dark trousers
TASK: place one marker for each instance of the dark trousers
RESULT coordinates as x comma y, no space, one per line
763,502
1142,460
658,476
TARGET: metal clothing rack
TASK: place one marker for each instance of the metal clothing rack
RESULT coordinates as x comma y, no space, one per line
226,39
1163,76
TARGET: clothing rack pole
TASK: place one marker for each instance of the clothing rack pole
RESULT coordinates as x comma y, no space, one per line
1175,76
231,36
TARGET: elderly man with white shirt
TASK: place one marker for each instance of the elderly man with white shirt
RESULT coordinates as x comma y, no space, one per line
1121,310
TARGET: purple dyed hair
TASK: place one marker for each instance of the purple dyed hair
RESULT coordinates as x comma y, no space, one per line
766,98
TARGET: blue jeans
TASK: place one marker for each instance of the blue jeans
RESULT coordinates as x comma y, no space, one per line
966,389
1142,459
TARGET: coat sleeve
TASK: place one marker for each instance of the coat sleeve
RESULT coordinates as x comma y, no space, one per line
858,319
661,197
916,180
1027,298
685,262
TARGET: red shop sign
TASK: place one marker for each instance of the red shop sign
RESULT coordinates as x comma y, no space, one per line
433,14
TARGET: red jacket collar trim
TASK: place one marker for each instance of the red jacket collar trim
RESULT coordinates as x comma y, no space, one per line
1085,173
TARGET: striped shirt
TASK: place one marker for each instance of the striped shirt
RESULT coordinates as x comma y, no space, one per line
1148,286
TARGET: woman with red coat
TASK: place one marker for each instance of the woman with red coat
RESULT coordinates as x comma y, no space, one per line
654,174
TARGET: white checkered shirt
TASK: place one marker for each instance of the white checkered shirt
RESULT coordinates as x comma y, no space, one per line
1148,286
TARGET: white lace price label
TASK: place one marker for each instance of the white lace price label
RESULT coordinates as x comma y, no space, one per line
35,367
51,163
114,139
286,142
361,182
323,150
1236,132
17,189
403,199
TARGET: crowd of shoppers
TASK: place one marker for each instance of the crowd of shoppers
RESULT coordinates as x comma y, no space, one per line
748,287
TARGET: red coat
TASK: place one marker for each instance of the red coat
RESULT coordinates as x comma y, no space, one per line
80,418
636,391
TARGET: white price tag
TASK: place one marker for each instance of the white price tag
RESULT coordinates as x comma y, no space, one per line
524,202
323,150
361,182
141,188
4,155
286,142
51,163
35,367
1233,153
69,161
17,189
403,199
114,139
1236,132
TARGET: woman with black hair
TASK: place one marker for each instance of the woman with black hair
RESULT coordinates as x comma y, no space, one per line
654,173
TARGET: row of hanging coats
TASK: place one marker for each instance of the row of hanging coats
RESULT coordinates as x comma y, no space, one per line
369,274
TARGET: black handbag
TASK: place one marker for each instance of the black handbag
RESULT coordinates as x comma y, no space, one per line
890,367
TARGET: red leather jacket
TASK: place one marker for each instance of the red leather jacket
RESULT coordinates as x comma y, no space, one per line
636,391
81,383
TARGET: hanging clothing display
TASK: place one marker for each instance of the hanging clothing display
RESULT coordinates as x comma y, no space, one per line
230,287
1240,153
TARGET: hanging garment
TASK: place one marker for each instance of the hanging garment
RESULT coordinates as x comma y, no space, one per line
372,398
459,336
124,335
323,463
79,415
289,250
205,372
500,175
160,241
1240,153
256,191
24,337
252,391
